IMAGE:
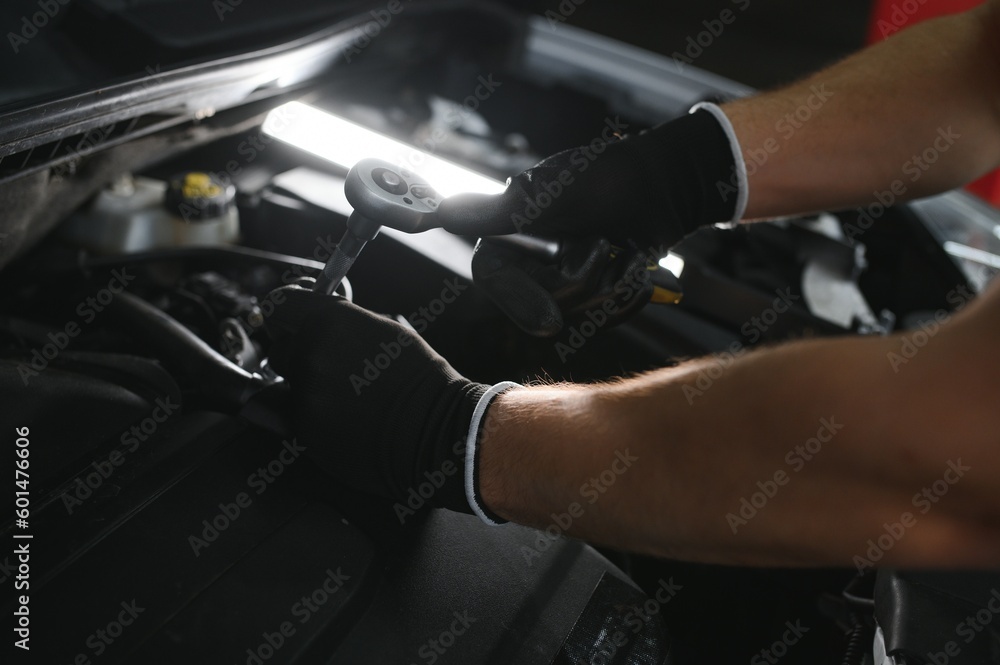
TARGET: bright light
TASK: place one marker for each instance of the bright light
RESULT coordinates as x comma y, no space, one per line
345,143
961,251
673,263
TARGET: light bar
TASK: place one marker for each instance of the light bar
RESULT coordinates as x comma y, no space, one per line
961,251
345,143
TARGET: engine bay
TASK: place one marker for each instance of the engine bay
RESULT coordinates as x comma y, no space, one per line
168,491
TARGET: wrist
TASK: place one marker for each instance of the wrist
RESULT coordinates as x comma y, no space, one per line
495,486
472,453
523,448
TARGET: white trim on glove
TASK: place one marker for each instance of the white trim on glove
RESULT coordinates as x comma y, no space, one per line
472,452
742,186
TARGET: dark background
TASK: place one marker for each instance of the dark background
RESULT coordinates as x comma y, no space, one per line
771,42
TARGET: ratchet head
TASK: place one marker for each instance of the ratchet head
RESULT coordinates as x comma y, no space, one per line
392,196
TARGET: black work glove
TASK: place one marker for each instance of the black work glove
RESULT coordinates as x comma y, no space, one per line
652,189
643,193
373,404
541,298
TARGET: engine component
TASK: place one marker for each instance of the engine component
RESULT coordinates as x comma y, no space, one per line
938,616
383,192
139,213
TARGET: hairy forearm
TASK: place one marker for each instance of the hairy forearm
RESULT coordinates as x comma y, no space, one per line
656,463
914,115
836,437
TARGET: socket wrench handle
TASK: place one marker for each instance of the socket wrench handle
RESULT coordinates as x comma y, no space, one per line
395,196
378,190
402,200
360,230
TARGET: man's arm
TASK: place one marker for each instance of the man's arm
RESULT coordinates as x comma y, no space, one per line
923,109
912,116
798,453
834,139
660,463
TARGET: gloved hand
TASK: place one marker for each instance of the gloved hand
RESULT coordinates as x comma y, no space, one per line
652,188
374,405
540,298
643,193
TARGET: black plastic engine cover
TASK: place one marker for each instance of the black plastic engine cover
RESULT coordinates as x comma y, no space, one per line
217,542
944,618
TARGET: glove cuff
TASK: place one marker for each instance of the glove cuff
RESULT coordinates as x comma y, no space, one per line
472,493
688,171
739,165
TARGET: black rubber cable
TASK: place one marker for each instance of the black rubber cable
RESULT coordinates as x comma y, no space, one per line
225,384
857,644
245,254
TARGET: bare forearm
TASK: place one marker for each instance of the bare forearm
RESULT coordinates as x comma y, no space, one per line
922,108
658,463
663,463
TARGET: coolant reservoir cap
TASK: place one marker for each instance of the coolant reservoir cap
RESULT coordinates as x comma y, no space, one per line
195,196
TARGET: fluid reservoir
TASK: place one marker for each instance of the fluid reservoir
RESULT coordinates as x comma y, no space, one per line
136,213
